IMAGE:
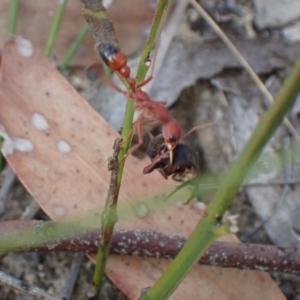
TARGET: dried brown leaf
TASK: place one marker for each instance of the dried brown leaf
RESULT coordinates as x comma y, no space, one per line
64,167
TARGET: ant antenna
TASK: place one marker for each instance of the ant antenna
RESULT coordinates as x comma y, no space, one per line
198,127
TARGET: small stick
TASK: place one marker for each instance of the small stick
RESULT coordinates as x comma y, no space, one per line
70,282
7,183
109,218
25,288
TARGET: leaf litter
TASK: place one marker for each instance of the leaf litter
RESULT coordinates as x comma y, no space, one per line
69,183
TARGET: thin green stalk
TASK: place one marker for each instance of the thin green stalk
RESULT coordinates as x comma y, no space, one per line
129,112
103,32
140,76
55,27
203,234
13,15
74,47
155,30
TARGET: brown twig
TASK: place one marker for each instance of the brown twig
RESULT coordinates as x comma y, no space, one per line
7,183
70,282
24,288
154,244
109,218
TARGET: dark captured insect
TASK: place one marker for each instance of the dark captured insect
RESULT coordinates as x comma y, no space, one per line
186,162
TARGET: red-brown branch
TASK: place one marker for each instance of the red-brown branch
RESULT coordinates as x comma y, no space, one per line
154,244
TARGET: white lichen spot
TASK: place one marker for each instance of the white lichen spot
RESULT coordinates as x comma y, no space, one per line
51,246
86,242
141,210
59,211
61,2
10,143
7,145
162,243
121,244
23,145
232,220
148,253
63,147
260,268
24,47
39,122
200,207
156,273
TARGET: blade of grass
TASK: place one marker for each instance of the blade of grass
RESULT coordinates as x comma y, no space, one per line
13,15
74,47
242,60
204,233
55,28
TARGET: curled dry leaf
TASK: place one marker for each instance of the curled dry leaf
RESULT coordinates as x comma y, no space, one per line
35,18
58,146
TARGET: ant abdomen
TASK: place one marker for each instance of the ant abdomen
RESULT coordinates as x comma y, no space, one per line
114,58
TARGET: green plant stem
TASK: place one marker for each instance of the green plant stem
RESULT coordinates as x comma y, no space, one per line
108,220
55,28
74,47
103,32
140,76
155,31
203,234
13,15
129,112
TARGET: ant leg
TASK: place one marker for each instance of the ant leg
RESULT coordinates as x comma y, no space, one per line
163,103
115,87
129,135
141,84
139,125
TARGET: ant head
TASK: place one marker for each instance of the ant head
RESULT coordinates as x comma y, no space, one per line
171,133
